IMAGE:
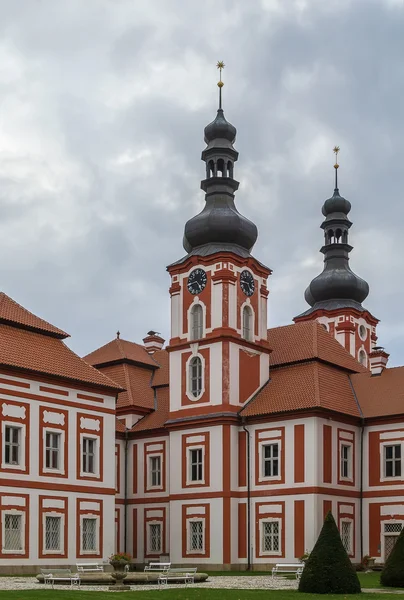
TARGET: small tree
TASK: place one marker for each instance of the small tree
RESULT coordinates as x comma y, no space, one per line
393,572
328,569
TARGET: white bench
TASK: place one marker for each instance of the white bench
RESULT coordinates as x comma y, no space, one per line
157,567
280,568
187,575
55,575
89,567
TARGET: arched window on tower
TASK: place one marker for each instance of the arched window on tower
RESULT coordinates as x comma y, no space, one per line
338,235
196,322
362,357
230,169
211,168
330,234
195,376
220,168
247,323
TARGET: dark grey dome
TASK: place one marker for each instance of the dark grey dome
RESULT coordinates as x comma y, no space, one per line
336,283
336,204
220,129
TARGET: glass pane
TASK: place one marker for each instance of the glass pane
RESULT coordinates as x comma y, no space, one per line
89,535
52,533
13,532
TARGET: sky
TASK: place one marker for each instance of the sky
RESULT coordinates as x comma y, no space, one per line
102,109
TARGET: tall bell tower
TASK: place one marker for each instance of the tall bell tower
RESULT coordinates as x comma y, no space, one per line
219,354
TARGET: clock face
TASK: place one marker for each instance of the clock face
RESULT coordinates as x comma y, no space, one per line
247,283
197,281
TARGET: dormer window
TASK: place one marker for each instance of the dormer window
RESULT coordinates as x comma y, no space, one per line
247,323
196,322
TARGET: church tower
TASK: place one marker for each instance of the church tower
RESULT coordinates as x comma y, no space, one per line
336,295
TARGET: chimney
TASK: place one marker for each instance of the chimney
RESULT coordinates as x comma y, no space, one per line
378,360
153,342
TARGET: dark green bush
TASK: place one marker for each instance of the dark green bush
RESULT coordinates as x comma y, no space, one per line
328,569
393,572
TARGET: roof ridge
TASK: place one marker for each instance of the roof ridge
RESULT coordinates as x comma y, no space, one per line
127,382
315,338
316,384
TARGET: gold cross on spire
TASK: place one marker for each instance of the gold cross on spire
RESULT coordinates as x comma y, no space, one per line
220,66
336,150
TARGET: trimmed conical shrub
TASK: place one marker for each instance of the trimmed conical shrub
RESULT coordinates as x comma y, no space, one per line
393,572
328,569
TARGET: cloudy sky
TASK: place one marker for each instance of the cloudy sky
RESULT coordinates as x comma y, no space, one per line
102,110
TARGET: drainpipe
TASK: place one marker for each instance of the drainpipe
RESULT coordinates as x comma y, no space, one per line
248,498
125,505
361,491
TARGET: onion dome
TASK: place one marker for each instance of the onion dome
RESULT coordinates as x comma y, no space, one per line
220,128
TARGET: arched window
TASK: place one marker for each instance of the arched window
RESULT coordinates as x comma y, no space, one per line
362,357
247,323
196,322
220,168
195,376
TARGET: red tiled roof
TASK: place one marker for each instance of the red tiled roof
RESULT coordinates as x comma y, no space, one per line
120,350
307,341
13,313
136,382
380,395
157,418
120,425
41,353
161,376
304,386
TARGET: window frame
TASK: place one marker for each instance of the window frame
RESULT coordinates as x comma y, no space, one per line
95,518
150,471
190,450
13,513
384,446
351,535
20,427
150,550
189,392
262,444
263,522
96,440
348,461
247,309
190,549
60,451
61,517
196,330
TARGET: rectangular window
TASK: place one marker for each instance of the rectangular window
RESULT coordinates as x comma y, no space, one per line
155,471
270,460
89,535
89,446
346,529
12,445
52,450
392,461
154,538
196,536
196,464
52,533
12,532
270,536
345,461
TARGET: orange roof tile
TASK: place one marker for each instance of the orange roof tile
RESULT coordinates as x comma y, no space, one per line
161,376
380,395
120,350
157,418
304,386
41,353
305,341
13,313
120,425
136,382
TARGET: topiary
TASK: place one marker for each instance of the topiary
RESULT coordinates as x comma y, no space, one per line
328,569
393,571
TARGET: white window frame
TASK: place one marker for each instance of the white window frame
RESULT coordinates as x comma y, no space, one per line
191,320
188,378
261,530
96,438
349,445
17,513
351,536
384,477
149,537
62,532
97,534
21,464
61,453
362,352
191,481
384,533
268,442
188,532
251,337
150,484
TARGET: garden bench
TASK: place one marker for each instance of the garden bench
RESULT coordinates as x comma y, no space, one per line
296,569
55,575
158,567
89,567
187,575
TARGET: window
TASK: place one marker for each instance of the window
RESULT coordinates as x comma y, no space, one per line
154,538
52,533
270,536
362,357
89,455
362,332
346,528
392,461
196,464
270,460
12,532
89,535
52,441
155,471
12,437
345,461
196,322
247,323
196,536
195,376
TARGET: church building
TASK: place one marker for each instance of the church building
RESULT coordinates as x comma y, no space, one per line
224,448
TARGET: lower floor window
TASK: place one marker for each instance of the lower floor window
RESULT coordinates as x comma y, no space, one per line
12,532
52,533
154,538
270,536
89,535
346,536
196,536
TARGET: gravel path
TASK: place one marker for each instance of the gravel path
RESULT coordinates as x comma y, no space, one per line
250,582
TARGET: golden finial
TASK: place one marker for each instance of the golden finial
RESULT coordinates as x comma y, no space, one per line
336,150
220,65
